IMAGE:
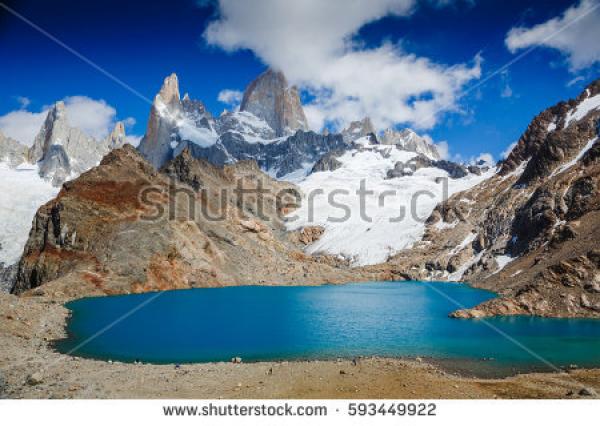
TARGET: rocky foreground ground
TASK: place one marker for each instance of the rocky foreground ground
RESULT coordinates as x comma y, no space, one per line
29,368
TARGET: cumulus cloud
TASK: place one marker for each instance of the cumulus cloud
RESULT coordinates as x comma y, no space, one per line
94,117
485,158
22,125
233,98
443,149
575,34
315,44
508,150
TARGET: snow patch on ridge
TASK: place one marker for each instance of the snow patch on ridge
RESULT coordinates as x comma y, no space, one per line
579,112
574,161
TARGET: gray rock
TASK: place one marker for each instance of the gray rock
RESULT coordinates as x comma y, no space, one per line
358,129
11,151
270,98
408,140
8,275
455,170
65,152
168,111
35,378
587,392
328,162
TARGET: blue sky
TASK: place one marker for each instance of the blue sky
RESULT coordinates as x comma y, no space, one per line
142,42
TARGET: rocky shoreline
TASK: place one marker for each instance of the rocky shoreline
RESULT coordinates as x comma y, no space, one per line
30,368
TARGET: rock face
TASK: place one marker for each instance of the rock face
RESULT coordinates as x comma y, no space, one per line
530,232
358,129
124,227
271,99
64,152
11,151
173,122
328,162
408,140
8,275
455,170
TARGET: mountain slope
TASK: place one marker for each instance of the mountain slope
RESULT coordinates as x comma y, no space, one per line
530,232
30,176
101,235
371,200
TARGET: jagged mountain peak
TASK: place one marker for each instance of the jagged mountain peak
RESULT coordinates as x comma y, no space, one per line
63,152
270,98
358,129
555,135
116,138
407,139
169,92
12,151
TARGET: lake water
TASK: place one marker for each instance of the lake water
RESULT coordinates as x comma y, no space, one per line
286,323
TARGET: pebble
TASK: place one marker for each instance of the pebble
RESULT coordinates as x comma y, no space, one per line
587,392
35,378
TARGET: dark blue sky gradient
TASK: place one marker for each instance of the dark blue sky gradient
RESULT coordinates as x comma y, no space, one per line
141,42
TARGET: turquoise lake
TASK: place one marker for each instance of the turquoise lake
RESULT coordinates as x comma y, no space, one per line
287,323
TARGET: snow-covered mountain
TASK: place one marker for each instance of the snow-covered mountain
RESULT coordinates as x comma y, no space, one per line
409,140
270,127
12,152
30,176
390,215
63,152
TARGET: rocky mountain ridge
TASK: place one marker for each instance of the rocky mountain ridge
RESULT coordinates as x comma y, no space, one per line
530,232
270,127
12,152
97,236
59,150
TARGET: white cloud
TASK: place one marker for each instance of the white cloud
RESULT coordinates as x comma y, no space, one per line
23,101
133,139
94,117
443,149
486,158
129,122
314,43
22,125
230,97
575,34
508,150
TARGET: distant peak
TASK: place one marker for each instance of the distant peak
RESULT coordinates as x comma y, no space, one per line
169,92
270,98
119,128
